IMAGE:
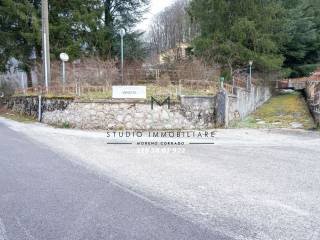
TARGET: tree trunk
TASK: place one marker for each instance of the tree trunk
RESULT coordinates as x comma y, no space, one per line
231,68
108,15
29,79
108,25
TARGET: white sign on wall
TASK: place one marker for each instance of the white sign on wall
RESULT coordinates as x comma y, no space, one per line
135,92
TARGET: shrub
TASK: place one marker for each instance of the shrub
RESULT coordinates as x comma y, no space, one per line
6,89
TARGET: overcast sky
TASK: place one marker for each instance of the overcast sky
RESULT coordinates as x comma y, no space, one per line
156,7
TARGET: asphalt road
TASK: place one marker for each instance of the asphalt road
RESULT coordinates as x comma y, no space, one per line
71,184
44,196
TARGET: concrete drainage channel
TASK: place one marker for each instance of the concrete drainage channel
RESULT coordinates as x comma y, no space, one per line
310,86
286,109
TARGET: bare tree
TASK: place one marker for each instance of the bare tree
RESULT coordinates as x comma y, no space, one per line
171,27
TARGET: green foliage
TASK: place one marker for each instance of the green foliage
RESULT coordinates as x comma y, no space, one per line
79,27
303,45
302,70
280,112
134,47
234,32
20,35
66,125
73,26
120,14
274,34
6,88
91,27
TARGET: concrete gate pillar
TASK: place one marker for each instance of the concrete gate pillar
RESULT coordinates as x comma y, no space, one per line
222,109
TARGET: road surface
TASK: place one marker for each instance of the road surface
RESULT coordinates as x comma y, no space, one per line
71,184
44,196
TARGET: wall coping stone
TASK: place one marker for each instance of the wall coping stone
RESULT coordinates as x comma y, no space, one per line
197,96
116,101
44,98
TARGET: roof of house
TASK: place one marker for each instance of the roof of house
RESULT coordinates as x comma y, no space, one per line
316,72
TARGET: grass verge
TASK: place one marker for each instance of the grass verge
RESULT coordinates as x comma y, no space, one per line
170,90
6,113
286,110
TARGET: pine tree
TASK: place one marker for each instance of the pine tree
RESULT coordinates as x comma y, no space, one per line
121,14
78,27
75,26
20,36
233,32
303,45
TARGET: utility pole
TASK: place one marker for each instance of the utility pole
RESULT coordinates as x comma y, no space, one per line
45,44
122,33
250,74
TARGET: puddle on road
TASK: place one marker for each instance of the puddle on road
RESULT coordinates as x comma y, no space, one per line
285,110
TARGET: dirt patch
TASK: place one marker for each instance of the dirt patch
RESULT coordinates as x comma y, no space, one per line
3,109
7,113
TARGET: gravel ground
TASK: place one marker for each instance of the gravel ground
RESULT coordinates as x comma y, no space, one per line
252,184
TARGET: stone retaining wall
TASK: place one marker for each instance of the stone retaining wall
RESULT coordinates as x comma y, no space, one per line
316,116
190,113
312,91
29,105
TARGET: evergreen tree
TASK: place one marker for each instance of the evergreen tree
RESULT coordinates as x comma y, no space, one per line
302,49
78,27
121,14
234,32
275,34
20,35
75,26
